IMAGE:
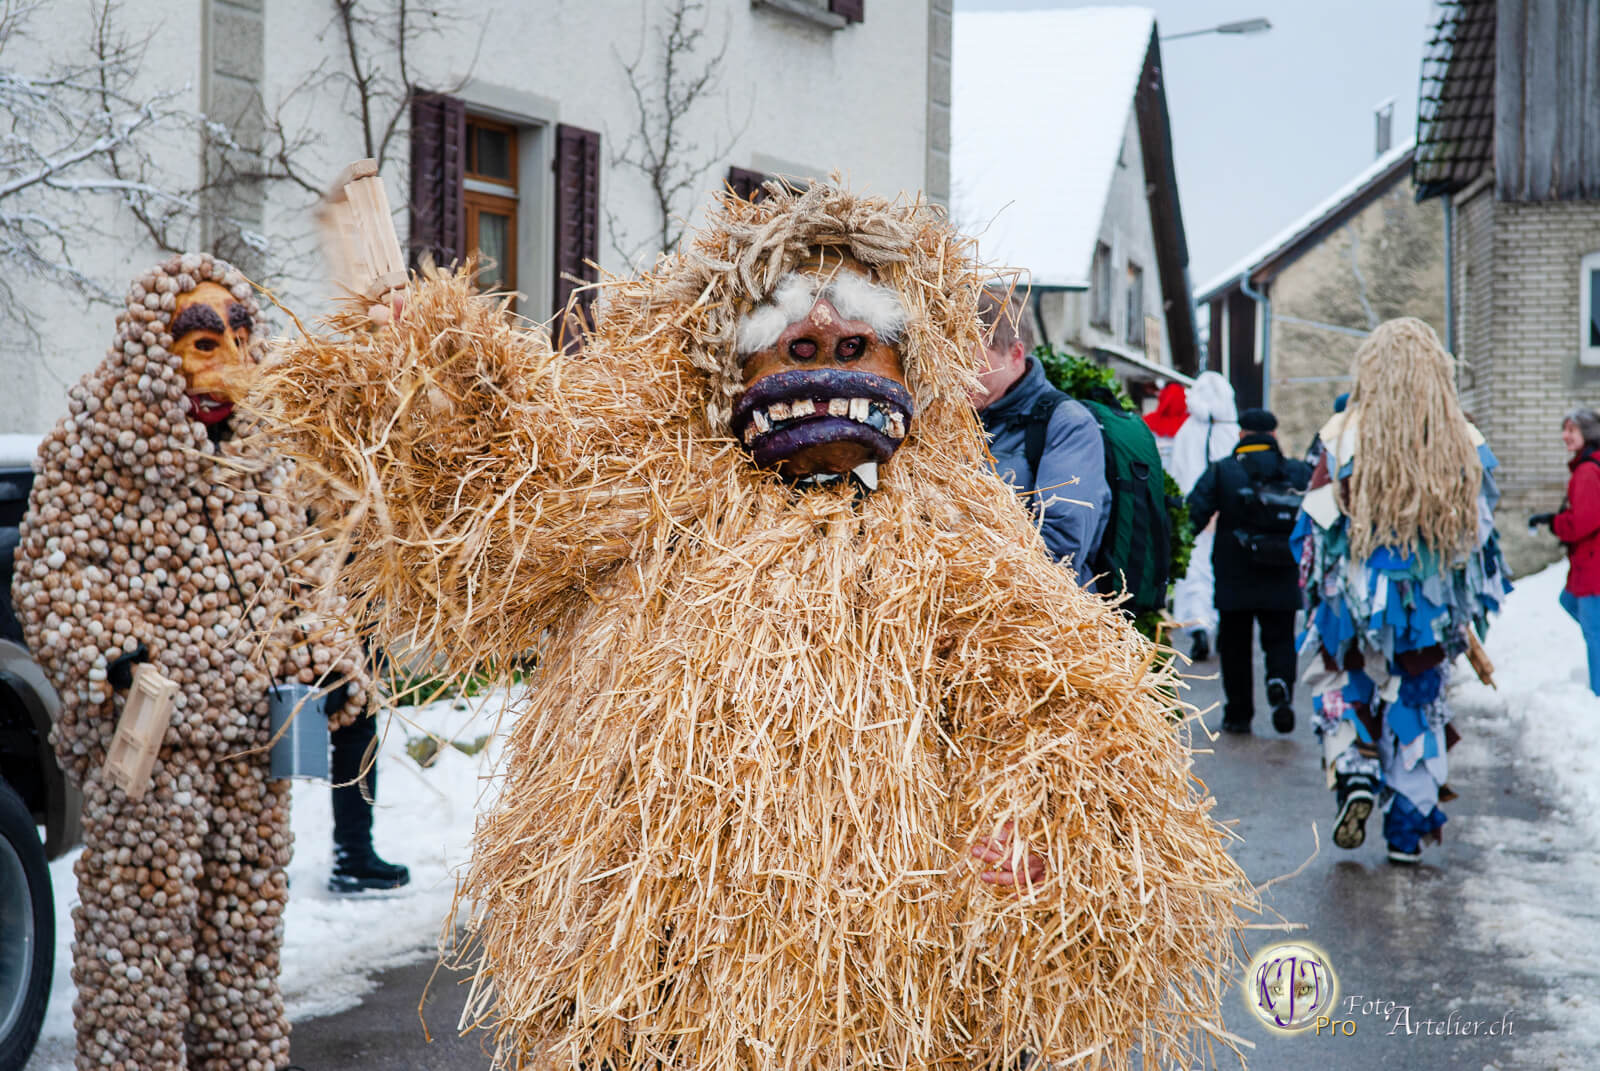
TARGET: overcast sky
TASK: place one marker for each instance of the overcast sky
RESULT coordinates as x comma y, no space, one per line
1266,126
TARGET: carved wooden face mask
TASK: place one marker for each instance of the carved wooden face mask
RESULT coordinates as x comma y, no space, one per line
211,336
825,391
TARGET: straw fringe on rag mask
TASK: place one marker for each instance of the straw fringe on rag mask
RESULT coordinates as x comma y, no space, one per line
733,826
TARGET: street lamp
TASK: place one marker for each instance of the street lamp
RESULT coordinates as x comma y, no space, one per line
1243,26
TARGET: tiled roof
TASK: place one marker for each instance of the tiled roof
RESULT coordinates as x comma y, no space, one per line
1455,108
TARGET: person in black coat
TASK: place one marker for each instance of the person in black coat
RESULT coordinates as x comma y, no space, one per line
1254,493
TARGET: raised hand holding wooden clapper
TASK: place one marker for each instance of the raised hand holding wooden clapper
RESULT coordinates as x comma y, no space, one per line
360,240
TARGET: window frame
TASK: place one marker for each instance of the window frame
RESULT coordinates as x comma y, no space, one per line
1102,305
501,196
474,202
1133,303
475,122
1588,314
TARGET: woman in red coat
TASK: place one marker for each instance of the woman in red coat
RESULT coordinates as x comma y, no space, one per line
1578,526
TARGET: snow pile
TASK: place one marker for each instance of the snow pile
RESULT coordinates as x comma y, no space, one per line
333,945
1532,900
1541,669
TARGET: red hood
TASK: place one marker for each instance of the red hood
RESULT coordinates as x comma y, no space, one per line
1171,410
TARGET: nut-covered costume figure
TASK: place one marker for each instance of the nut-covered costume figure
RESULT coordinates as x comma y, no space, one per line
824,764
181,891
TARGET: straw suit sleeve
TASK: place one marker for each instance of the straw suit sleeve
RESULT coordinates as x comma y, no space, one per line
452,408
1068,741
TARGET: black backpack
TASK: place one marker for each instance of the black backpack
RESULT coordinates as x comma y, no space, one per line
1136,548
1268,508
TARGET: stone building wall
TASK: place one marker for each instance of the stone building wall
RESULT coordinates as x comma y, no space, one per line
1384,262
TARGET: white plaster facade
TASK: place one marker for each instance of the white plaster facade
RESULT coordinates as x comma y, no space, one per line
1126,231
798,93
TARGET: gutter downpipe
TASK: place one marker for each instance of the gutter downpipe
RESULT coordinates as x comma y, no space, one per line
1265,302
1449,275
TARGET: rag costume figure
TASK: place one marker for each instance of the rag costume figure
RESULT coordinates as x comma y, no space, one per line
1398,558
824,765
156,532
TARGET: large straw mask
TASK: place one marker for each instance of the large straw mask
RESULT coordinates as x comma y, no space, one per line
824,386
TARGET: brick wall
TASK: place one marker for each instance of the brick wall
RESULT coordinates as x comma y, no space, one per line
1534,376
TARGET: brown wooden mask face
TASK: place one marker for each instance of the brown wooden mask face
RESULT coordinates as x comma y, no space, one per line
829,394
211,336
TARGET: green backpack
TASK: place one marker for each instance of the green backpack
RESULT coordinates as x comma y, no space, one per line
1136,550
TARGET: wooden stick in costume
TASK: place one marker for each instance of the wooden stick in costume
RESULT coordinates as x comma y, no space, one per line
800,653
157,531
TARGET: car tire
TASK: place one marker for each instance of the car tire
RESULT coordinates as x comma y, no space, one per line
27,931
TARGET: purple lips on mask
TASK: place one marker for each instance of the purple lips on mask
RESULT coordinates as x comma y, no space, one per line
837,405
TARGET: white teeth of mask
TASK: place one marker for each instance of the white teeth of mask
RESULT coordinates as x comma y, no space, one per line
861,410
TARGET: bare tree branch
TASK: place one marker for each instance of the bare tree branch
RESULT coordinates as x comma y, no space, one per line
658,148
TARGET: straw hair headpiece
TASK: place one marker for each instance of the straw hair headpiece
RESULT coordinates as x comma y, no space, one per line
734,822
1417,472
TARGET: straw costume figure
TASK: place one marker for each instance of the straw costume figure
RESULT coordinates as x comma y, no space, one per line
158,532
825,763
1401,567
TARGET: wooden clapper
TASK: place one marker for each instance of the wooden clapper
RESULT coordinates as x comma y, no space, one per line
146,713
359,237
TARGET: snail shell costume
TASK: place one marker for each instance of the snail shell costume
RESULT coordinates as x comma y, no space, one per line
181,891
774,706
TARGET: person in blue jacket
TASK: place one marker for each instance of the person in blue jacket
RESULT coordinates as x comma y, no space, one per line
1069,492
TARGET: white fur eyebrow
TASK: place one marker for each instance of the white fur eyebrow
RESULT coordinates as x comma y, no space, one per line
791,301
878,306
855,296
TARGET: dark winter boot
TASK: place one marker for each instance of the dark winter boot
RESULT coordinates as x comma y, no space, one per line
1282,705
357,871
356,867
1356,794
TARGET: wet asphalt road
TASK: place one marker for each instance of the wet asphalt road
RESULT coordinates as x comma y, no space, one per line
1422,937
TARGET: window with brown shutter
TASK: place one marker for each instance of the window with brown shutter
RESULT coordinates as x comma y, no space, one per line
851,10
438,162
746,183
577,244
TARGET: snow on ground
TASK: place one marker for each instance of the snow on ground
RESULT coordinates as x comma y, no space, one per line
333,945
1533,903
